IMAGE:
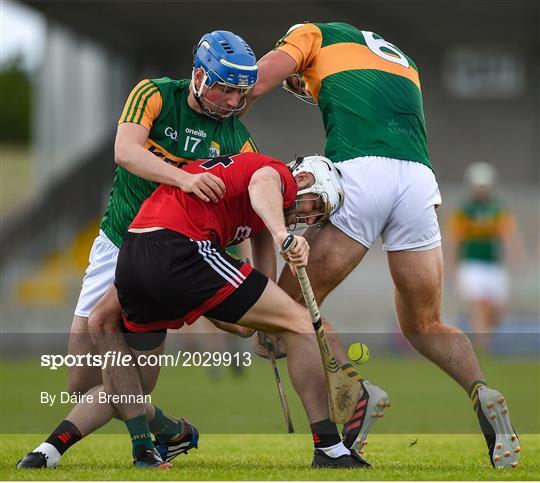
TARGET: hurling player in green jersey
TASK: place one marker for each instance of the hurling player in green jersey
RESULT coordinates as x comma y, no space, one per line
483,238
164,125
369,94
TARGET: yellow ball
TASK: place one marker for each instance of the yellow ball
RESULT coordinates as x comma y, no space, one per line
358,353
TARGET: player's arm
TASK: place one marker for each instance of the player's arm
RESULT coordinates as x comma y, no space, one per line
264,255
129,148
514,250
131,154
274,68
454,237
267,201
265,194
295,52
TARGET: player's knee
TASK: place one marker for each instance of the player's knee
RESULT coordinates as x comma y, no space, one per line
421,326
102,322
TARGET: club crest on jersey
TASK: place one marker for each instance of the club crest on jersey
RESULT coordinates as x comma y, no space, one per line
242,233
214,150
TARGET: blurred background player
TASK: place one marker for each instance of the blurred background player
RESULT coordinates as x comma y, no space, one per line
164,125
483,238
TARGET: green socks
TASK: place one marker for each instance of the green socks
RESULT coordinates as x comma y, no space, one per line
165,426
140,432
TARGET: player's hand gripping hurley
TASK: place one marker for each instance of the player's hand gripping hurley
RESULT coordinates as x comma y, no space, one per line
343,392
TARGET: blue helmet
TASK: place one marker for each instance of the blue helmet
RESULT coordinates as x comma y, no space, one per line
226,58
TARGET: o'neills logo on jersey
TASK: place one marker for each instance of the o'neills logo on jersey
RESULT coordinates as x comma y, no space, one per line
200,133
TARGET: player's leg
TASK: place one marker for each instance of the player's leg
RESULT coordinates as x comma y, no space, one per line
276,313
340,245
93,411
497,295
106,328
91,415
417,277
98,277
480,315
172,436
333,255
479,310
81,378
411,238
474,285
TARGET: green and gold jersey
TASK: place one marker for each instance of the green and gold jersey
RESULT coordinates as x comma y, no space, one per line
479,227
177,134
367,89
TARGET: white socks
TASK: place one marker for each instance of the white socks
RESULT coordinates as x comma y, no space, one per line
337,450
51,454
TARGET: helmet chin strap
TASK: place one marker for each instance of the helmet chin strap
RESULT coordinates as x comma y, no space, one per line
199,102
197,93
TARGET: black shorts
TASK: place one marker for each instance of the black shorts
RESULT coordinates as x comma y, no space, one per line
165,280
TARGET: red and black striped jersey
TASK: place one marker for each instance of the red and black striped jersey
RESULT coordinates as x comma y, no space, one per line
228,222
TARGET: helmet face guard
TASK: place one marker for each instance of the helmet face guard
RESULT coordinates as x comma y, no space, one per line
300,222
326,187
295,85
218,110
229,61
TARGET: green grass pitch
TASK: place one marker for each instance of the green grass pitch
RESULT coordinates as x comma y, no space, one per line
280,457
426,405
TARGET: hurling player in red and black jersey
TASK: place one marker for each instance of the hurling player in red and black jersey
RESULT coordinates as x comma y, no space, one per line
173,268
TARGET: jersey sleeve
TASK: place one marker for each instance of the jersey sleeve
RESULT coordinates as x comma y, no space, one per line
302,43
289,188
143,105
238,178
245,143
506,222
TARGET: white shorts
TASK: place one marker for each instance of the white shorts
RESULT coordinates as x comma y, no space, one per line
392,198
483,281
99,275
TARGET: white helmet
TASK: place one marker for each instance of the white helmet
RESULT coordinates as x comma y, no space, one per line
480,174
327,184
